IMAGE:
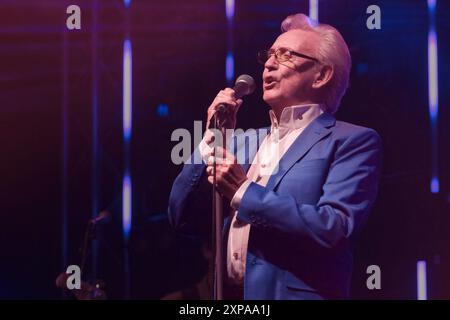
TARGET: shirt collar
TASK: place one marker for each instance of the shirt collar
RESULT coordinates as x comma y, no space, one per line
295,117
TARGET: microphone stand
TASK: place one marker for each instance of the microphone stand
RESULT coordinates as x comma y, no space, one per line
217,222
88,236
244,85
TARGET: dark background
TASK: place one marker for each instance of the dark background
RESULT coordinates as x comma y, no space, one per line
49,171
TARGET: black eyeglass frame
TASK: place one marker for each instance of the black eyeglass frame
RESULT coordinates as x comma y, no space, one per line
264,55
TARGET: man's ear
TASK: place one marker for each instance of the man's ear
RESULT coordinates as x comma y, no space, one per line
323,76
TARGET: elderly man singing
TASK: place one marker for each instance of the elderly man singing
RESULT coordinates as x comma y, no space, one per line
304,191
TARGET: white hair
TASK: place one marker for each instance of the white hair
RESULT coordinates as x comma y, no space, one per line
332,51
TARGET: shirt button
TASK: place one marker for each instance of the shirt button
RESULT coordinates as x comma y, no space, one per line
235,255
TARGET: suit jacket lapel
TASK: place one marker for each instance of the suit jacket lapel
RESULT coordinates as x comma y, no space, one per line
316,131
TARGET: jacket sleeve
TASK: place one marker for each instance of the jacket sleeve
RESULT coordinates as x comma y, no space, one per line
190,199
348,194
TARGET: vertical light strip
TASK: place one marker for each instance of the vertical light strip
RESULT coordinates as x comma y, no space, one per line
127,99
421,280
433,102
127,194
432,75
314,10
229,9
127,126
229,67
229,60
126,205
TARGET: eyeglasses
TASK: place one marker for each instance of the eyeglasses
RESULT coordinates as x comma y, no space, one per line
281,54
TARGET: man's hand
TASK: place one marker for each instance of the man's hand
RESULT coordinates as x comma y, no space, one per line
227,97
229,174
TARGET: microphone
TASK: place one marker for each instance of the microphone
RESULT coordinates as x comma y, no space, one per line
103,216
243,86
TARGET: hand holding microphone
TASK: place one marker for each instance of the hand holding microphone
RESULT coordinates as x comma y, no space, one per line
227,115
229,174
228,101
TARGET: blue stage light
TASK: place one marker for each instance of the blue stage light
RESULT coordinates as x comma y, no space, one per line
421,280
127,128
229,67
162,110
433,94
314,10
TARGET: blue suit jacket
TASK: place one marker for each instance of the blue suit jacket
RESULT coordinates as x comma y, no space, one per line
304,219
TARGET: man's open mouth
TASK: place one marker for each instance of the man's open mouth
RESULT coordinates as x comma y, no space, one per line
269,83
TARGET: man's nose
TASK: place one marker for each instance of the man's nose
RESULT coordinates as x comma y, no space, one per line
272,62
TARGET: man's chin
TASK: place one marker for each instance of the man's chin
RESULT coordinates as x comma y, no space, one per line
269,97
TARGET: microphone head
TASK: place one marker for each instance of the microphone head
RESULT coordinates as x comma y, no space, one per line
104,217
244,85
